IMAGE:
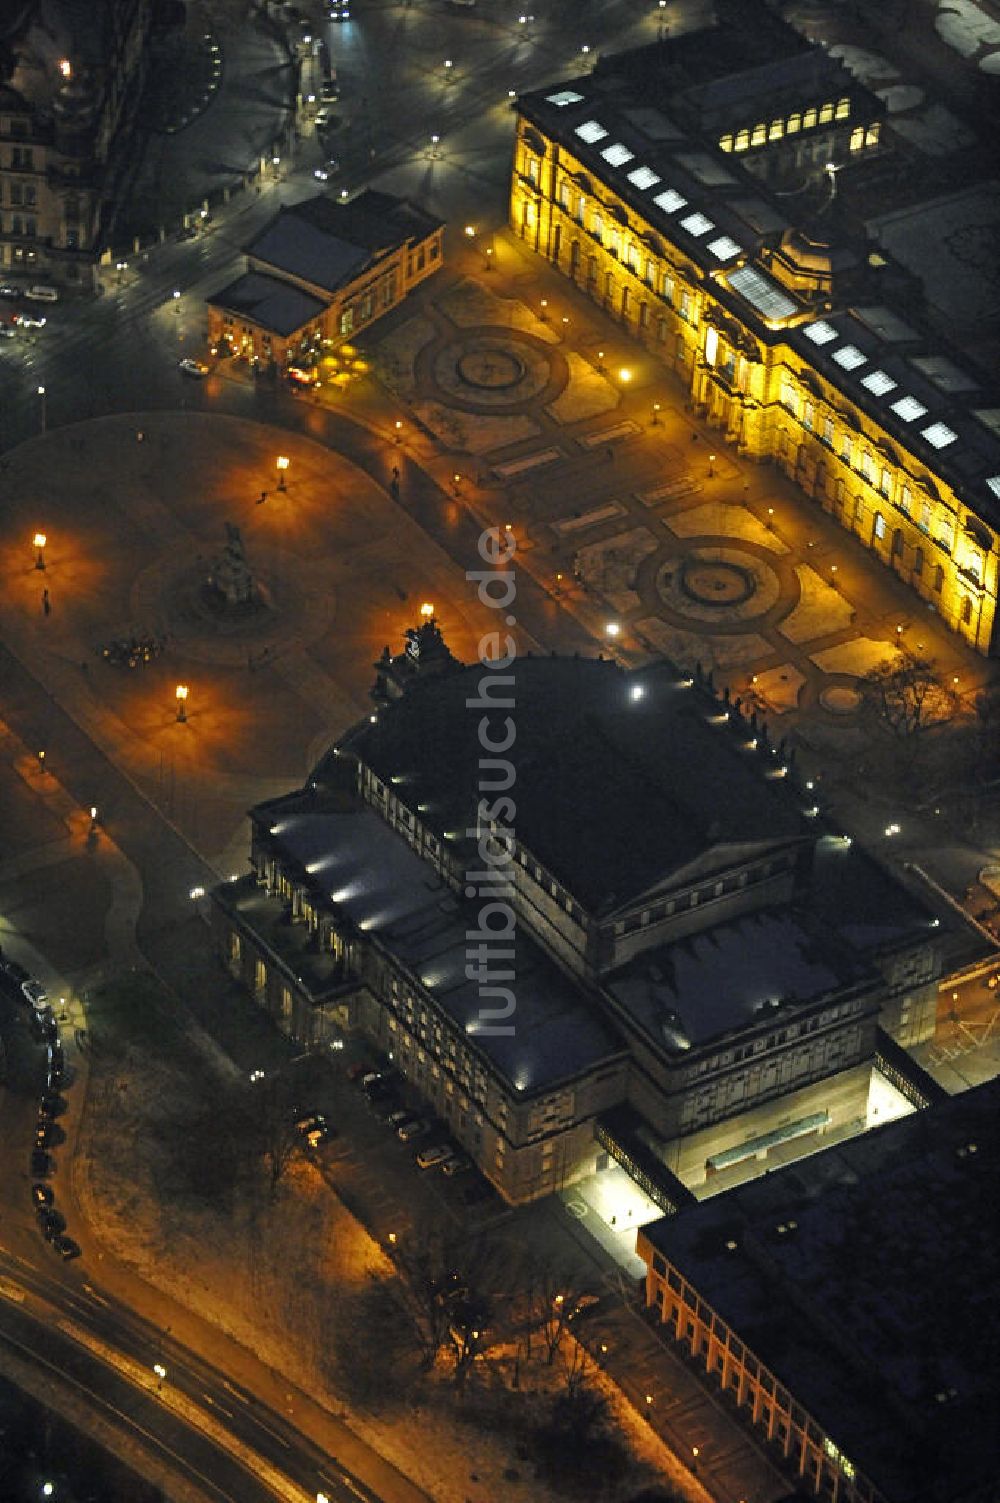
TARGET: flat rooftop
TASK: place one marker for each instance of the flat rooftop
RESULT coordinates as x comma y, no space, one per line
865,1277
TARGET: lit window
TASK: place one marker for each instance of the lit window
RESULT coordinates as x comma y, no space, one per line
617,154
759,134
857,138
590,132
742,140
696,224
826,114
670,201
879,525
711,345
776,131
808,119
725,143
905,500
843,108
939,435
644,177
878,383
563,98
794,124
820,333
871,135
598,226
724,249
885,483
908,408
994,484
849,357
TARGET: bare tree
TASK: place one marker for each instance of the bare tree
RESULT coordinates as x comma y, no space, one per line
908,694
268,1109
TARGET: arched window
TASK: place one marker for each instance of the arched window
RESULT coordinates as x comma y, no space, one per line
897,542
966,611
879,526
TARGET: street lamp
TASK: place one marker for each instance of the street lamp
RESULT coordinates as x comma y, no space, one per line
41,398
161,1373
624,375
427,611
282,463
612,629
449,67
39,541
399,430
434,146
93,819
656,414
181,694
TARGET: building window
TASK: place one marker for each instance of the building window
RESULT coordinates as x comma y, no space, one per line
905,500
533,170
742,140
868,467
808,119
808,413
650,273
776,130
794,124
598,226
966,610
828,432
946,537
759,134
564,195
871,135
897,542
788,397
938,579
925,516
581,209
918,562
685,305
843,108
885,483
667,288
347,321
725,143
857,138
826,114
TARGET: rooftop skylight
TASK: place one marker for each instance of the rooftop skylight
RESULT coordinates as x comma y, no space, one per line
908,408
939,435
618,154
850,357
820,333
564,97
994,484
761,293
725,248
697,224
670,200
590,132
644,177
879,383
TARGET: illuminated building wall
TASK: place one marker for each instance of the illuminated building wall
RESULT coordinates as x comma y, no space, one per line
878,426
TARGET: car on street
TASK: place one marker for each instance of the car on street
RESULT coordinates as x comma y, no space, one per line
338,10
44,1026
42,1195
50,1222
45,1133
458,1163
432,1155
6,332
318,1135
378,1080
34,994
189,367
65,1246
41,1163
42,293
328,169
6,290
417,1127
397,1118
587,1304
30,320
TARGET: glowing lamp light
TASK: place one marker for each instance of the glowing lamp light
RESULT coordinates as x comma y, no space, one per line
625,375
470,230
181,695
66,68
427,610
612,629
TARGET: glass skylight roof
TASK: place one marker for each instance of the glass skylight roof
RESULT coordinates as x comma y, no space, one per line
908,408
724,249
944,373
850,357
670,200
697,224
618,154
590,132
994,484
820,333
644,177
761,293
564,97
879,383
939,435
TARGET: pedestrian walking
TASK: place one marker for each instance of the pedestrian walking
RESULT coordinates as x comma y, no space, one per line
262,498
46,603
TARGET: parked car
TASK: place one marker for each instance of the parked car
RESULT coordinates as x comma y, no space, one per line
433,1155
6,290
328,169
585,1305
190,367
45,1133
65,1246
42,1195
397,1118
30,320
6,332
50,1222
43,1024
321,1133
417,1127
458,1163
34,994
41,293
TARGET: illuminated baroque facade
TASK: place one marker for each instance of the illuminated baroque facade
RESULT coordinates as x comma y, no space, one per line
653,204
69,84
704,977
